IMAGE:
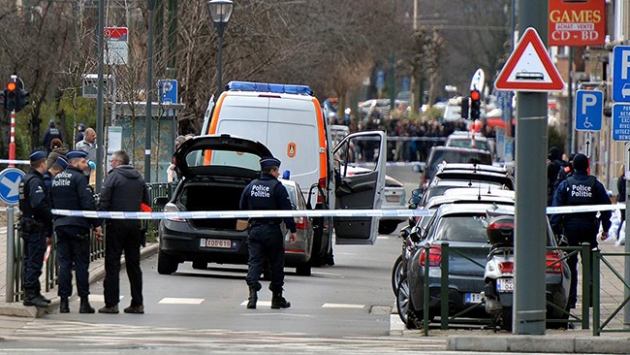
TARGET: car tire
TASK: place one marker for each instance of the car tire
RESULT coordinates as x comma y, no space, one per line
199,265
304,269
166,264
387,227
402,300
397,273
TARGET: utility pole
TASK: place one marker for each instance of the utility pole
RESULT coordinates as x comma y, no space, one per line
531,220
412,83
100,125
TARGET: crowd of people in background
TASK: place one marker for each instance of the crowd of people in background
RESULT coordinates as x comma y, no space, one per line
409,139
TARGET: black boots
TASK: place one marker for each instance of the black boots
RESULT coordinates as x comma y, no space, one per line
277,301
253,297
85,306
31,298
64,306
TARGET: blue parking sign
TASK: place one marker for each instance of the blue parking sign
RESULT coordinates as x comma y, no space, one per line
167,91
589,106
9,181
621,122
621,74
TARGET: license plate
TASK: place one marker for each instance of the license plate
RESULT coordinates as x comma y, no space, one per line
505,285
473,297
215,243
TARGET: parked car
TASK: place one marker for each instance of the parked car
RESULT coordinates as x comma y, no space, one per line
464,225
466,139
441,154
394,197
216,169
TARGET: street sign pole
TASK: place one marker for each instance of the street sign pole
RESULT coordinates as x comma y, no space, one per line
10,256
12,143
531,152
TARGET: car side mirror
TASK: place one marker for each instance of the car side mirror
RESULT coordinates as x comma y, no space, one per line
160,202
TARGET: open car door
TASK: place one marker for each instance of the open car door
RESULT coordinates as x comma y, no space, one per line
362,190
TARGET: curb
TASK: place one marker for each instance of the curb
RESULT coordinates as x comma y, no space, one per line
543,344
97,273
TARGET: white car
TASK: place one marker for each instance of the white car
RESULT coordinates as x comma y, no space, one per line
395,198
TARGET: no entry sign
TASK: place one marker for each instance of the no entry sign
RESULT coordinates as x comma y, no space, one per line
577,22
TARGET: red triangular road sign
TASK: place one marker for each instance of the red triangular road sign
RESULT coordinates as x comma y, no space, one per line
529,67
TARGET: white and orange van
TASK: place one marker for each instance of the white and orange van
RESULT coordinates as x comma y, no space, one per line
288,120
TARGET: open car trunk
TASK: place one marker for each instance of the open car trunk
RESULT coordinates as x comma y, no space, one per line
214,196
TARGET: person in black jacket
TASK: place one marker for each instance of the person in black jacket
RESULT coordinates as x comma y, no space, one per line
35,227
580,189
70,191
265,235
124,189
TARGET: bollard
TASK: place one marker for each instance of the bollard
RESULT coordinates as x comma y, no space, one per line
10,256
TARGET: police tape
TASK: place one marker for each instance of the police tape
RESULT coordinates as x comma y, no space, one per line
381,213
18,162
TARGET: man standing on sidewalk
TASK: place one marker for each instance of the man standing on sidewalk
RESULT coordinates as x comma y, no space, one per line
35,226
70,191
124,189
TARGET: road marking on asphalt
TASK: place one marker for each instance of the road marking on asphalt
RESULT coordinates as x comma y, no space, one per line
259,303
342,305
171,300
382,237
96,298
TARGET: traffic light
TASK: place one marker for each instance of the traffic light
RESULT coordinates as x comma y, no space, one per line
22,99
10,96
464,107
475,105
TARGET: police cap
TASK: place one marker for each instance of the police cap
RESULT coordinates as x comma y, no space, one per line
62,162
76,154
268,162
37,155
580,162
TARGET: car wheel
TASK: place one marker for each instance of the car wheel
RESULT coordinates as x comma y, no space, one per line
397,273
199,265
166,264
304,269
402,300
387,227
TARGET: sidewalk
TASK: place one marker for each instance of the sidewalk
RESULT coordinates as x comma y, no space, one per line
97,272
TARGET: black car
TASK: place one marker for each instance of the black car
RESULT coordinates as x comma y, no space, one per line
440,154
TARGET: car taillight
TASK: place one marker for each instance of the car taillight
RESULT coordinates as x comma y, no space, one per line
506,267
170,207
435,257
554,266
322,184
300,222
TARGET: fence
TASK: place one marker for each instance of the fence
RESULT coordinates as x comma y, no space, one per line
15,292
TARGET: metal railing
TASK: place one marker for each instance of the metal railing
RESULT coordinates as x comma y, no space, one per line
585,277
51,267
607,326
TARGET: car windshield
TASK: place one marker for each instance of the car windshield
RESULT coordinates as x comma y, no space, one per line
208,157
462,228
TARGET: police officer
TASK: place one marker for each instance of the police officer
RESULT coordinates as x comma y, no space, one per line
580,189
35,225
58,166
265,235
70,191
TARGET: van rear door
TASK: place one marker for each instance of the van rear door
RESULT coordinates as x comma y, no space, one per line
361,191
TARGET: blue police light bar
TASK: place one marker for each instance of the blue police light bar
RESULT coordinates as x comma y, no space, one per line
268,87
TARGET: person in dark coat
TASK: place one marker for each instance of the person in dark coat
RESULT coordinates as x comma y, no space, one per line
80,133
57,150
124,189
70,191
35,226
578,228
51,133
553,168
265,234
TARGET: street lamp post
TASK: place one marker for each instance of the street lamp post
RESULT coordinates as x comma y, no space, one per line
220,12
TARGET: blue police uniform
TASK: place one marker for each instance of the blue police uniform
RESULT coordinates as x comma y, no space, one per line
265,235
580,189
35,224
70,191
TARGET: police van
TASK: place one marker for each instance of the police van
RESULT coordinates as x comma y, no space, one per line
288,120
